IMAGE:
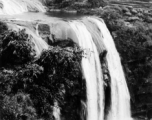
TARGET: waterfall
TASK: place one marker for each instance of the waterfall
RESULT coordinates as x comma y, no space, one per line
92,35
11,7
92,71
120,105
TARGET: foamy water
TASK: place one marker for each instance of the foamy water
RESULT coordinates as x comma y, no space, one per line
11,7
92,71
120,105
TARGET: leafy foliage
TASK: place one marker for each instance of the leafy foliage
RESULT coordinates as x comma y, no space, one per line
3,27
136,51
29,88
16,46
17,107
63,75
97,3
112,18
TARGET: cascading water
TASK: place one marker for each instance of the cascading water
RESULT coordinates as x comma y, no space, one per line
56,111
38,43
92,35
120,105
92,72
11,7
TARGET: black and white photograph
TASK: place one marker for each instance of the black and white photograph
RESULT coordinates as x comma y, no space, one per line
75,59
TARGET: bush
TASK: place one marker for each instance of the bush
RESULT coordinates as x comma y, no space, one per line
3,27
63,75
131,44
17,107
55,76
16,46
112,18
97,3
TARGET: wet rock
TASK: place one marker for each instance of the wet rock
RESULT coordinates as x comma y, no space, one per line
44,32
43,29
103,55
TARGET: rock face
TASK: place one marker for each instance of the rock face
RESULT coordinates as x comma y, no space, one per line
44,32
107,81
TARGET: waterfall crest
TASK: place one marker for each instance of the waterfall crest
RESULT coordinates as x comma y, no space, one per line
11,7
92,35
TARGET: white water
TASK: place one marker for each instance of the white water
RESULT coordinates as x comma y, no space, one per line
93,36
11,7
40,44
92,71
56,111
120,108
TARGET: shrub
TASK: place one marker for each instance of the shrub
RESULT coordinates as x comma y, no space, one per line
63,75
97,3
112,18
3,27
16,46
17,107
55,76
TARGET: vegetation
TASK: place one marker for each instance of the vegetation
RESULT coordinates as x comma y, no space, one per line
17,47
29,88
3,27
76,4
97,3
